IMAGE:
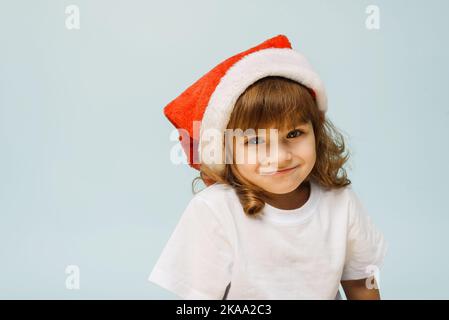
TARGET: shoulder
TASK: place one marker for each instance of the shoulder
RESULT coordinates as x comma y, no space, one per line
216,201
342,196
345,202
216,195
341,203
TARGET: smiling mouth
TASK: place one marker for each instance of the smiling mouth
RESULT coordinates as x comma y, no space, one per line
279,172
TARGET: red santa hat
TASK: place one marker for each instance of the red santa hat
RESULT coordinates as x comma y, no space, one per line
207,104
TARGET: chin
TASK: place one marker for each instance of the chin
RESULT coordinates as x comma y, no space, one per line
283,189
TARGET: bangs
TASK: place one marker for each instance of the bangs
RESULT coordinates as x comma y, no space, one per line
273,102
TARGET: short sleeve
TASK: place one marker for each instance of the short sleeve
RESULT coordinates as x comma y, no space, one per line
366,245
196,261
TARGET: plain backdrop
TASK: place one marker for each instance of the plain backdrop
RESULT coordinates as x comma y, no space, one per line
85,173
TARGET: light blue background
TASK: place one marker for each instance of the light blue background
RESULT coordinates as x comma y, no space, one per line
85,175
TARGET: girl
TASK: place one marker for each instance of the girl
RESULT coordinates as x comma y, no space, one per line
282,224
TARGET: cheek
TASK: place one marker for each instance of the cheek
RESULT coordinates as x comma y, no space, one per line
247,157
249,171
312,147
306,150
311,151
247,164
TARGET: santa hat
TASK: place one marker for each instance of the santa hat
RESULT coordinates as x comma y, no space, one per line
210,100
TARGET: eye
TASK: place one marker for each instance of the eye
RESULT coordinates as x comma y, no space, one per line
255,140
295,133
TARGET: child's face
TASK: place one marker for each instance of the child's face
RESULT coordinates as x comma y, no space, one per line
295,149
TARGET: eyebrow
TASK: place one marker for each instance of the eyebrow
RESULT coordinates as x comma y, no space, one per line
298,126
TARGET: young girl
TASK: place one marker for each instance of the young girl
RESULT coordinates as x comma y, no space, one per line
279,224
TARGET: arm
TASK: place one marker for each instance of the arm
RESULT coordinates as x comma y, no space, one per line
358,290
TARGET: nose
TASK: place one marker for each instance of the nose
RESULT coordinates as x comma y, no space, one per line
279,155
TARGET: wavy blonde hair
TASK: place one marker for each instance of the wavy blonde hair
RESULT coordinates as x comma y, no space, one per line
282,103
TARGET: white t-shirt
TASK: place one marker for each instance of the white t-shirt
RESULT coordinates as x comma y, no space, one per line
284,254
